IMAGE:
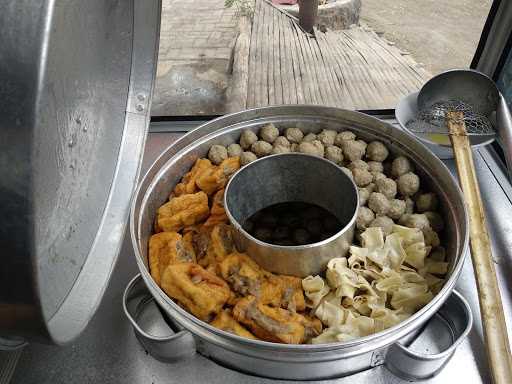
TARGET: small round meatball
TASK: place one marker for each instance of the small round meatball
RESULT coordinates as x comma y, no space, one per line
431,237
294,147
371,187
400,166
364,217
387,187
396,208
426,202
309,138
378,203
247,138
294,135
261,148
361,164
409,205
301,236
353,150
364,194
335,154
377,151
378,176
344,136
281,140
269,133
362,177
408,184
246,158
309,149
414,220
375,166
234,150
348,172
278,149
319,146
217,154
327,137
383,222
435,220
363,143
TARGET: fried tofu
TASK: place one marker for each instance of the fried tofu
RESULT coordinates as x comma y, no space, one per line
167,248
221,242
275,324
215,178
200,292
283,291
217,212
183,211
188,182
225,322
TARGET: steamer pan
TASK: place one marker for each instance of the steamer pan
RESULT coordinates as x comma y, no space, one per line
296,361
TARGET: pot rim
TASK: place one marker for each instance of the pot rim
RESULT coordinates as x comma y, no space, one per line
217,336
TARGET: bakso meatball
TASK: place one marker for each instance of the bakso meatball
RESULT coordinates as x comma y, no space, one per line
278,149
396,208
327,137
334,154
217,154
362,177
261,148
269,133
309,138
344,136
387,187
400,166
247,138
246,158
375,166
309,149
377,176
408,184
294,147
353,150
409,205
363,143
431,237
294,135
364,194
426,202
383,222
435,220
361,164
414,220
364,217
319,147
234,150
377,151
282,141
348,172
378,203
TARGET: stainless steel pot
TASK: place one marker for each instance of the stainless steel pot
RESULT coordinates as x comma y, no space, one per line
302,361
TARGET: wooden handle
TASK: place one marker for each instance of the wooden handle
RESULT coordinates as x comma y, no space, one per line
491,308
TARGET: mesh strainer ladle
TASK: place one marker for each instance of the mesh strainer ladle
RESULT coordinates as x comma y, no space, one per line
457,108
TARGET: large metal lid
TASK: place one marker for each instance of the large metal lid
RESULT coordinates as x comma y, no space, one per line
76,79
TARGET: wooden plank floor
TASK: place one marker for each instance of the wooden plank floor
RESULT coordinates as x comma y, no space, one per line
353,68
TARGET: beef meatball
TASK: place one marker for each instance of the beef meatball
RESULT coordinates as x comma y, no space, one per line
383,222
309,138
246,158
364,217
319,147
309,149
269,133
431,237
364,194
414,220
378,203
261,148
217,154
234,150
353,150
361,164
362,177
281,140
247,138
400,166
375,166
334,154
294,135
378,176
409,205
396,208
278,149
408,184
344,136
387,187
426,202
327,137
377,151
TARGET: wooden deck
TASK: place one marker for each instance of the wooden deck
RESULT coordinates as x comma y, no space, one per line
353,68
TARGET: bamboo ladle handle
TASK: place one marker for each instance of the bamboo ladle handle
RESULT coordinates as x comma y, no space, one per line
491,307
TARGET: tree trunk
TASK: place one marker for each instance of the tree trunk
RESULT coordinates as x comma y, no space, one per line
308,10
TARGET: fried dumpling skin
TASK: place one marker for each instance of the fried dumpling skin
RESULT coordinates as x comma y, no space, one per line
225,322
275,324
188,183
183,211
214,178
167,248
200,292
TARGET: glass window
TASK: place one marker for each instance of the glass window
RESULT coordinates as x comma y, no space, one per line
220,56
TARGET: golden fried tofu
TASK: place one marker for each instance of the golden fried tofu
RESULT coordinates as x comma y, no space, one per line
215,178
221,242
242,274
283,291
167,248
275,324
183,211
188,183
201,242
225,322
217,212
200,292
